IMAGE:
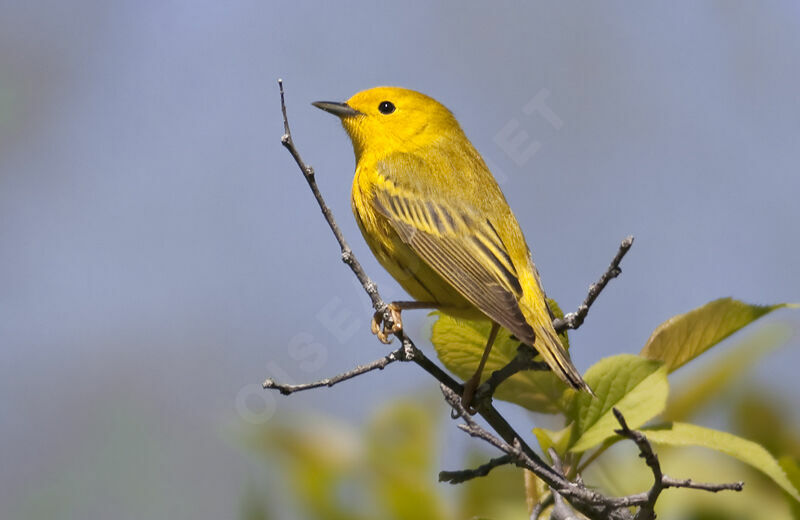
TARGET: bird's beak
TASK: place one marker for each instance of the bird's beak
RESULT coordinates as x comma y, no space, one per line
342,110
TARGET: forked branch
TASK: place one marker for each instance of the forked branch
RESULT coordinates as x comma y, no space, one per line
661,481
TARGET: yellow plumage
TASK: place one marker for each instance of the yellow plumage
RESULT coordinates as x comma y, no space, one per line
436,219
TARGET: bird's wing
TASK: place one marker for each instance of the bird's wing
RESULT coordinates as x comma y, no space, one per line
458,242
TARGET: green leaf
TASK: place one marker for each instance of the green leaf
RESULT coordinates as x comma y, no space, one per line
460,344
545,438
638,387
553,439
792,470
536,491
763,417
710,380
685,336
749,452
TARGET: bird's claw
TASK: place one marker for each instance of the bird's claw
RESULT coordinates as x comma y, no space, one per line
378,325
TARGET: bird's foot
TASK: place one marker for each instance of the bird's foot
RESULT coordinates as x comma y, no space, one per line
379,327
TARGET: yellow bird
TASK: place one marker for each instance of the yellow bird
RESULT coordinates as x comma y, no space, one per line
435,218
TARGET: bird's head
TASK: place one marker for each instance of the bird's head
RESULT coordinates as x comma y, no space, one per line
384,120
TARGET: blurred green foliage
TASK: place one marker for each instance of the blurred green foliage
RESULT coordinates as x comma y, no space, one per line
388,469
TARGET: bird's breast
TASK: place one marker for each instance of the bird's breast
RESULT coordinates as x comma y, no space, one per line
415,276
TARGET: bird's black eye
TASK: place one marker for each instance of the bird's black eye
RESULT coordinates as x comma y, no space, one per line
386,107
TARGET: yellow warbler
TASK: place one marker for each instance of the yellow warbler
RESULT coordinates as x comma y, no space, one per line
436,219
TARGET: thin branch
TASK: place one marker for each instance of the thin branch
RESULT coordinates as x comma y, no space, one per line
573,320
471,427
378,364
645,451
670,482
523,360
457,477
585,500
418,357
541,506
347,254
561,511
661,481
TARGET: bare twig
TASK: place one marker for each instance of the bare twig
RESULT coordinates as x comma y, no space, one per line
661,481
347,254
513,449
524,360
573,320
378,364
541,506
585,500
561,511
457,477
670,482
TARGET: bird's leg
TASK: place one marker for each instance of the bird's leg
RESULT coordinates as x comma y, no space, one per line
472,384
378,327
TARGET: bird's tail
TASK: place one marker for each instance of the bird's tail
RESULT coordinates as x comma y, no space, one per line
549,346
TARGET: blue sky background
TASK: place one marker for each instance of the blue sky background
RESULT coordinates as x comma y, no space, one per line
160,254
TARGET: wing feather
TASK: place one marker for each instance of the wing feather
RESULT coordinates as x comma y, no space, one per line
462,247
